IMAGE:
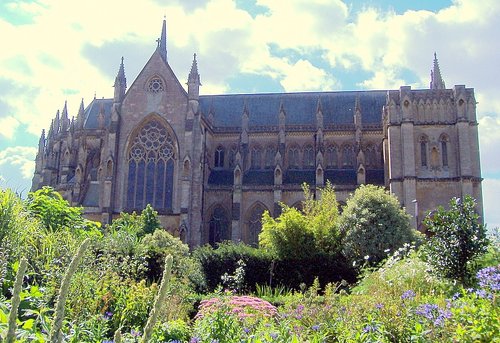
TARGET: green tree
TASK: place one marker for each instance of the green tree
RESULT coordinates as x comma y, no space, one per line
288,236
55,213
322,217
373,223
457,239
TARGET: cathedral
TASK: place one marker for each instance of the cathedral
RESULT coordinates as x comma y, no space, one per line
212,164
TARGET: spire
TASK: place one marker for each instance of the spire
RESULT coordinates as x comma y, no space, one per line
80,118
57,122
194,76
64,117
436,79
41,142
162,42
194,80
120,83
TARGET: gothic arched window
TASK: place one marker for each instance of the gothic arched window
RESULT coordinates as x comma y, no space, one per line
151,162
255,158
218,226
219,157
332,159
293,157
232,156
444,150
348,156
423,151
254,225
370,156
269,159
308,161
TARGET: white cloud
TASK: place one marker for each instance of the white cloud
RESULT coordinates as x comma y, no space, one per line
303,76
491,189
20,158
8,126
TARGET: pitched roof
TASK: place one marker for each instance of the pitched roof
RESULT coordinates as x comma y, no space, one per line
92,113
300,108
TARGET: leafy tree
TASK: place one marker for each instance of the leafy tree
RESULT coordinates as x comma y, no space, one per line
289,235
322,217
55,213
372,223
137,224
150,220
457,239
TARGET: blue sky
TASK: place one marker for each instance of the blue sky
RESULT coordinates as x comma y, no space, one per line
57,50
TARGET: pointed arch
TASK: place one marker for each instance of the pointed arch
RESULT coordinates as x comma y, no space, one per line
308,157
293,157
332,156
219,226
348,156
256,157
269,158
424,141
152,157
253,223
219,157
444,142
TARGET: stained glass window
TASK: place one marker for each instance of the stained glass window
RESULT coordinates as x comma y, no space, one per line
151,168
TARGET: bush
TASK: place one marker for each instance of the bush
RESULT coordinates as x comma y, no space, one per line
288,236
322,218
264,269
457,239
372,222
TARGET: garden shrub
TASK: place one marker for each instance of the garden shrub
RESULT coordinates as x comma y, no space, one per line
287,236
457,239
264,269
217,261
373,221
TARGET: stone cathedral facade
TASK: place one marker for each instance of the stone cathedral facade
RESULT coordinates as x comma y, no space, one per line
211,164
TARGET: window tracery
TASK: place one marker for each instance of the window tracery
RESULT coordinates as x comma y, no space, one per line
308,160
218,226
155,85
151,168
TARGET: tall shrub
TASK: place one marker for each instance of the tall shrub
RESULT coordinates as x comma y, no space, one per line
458,238
373,223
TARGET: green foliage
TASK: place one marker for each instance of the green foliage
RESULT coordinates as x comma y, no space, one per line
372,222
150,220
288,236
263,268
55,213
457,239
322,218
299,234
135,224
215,262
174,330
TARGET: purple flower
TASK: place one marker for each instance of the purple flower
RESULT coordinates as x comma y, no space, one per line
273,335
315,328
135,333
408,295
379,306
489,278
370,328
433,313
195,340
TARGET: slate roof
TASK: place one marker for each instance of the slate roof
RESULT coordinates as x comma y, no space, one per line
92,113
300,108
220,177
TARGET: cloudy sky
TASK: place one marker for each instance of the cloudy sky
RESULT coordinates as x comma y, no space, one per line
57,50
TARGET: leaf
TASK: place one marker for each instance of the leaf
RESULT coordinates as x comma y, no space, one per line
28,324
